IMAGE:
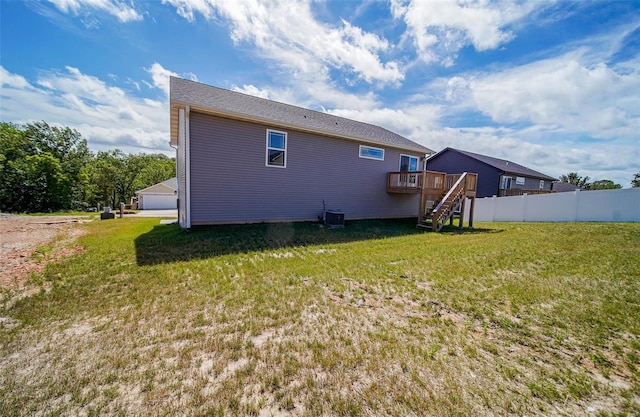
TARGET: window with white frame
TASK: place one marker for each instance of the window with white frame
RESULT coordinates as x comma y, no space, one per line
369,152
542,184
276,149
408,163
520,180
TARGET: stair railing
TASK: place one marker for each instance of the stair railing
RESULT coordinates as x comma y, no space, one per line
450,198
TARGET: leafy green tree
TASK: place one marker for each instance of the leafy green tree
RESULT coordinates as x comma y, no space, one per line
635,183
41,167
115,176
575,179
39,183
604,185
157,168
46,168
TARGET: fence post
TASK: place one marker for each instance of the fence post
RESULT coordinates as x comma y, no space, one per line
493,208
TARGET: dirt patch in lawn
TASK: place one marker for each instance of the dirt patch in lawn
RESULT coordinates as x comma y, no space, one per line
28,243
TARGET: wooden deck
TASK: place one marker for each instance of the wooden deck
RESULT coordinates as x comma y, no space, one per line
441,194
428,182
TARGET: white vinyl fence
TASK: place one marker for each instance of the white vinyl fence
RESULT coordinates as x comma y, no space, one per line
576,206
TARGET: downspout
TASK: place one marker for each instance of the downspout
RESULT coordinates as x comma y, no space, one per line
426,158
187,164
178,182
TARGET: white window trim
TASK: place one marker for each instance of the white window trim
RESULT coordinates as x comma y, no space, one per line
408,156
520,180
503,182
541,185
370,157
266,152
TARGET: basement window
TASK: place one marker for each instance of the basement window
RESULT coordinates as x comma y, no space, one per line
276,149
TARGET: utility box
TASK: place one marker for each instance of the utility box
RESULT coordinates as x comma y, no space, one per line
334,218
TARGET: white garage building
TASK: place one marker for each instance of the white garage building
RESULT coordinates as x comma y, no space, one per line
163,195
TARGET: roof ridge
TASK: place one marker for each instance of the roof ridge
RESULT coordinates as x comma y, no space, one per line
283,103
219,99
494,161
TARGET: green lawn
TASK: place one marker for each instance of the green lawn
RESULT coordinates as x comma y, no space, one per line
379,318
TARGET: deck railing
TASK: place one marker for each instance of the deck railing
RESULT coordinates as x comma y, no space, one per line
510,192
404,182
440,193
415,181
445,208
434,180
427,182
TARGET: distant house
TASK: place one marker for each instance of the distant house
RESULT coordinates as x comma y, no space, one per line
244,159
496,176
563,187
163,195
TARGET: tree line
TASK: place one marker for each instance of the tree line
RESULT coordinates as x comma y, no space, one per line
583,182
46,168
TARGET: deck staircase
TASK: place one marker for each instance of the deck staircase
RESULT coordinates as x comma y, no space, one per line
442,195
435,217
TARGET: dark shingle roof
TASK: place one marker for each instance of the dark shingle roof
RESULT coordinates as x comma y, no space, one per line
563,187
503,165
234,104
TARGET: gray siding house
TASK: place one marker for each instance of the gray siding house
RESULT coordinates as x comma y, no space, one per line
496,176
244,159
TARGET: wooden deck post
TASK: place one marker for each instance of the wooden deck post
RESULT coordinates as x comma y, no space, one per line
473,205
461,220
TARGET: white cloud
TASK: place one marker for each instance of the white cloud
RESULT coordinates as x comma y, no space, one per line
107,116
440,28
160,77
414,122
565,94
312,90
252,90
288,35
10,80
119,9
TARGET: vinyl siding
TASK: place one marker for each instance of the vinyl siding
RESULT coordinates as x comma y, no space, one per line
456,163
231,184
529,183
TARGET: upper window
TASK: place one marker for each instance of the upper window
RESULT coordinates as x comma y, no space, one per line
371,153
276,149
408,163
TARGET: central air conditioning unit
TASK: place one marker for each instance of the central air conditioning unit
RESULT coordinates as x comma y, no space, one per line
334,218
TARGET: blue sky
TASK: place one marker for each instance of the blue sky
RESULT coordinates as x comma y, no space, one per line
553,85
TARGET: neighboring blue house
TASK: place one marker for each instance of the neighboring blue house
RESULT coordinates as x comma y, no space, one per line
244,159
496,176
